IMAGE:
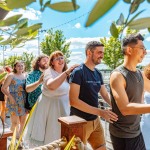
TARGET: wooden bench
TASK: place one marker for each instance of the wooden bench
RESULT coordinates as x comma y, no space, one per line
3,140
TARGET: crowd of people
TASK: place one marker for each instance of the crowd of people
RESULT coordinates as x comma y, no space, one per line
57,91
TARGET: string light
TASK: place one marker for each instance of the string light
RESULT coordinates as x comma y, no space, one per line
44,30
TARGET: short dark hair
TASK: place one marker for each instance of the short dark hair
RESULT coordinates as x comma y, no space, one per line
92,45
131,39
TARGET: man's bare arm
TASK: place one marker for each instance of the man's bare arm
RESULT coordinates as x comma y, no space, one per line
118,84
79,104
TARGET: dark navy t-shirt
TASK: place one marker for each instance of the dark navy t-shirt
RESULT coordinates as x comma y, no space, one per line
90,83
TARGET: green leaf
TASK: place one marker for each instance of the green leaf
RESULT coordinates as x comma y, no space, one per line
7,42
45,5
41,2
141,23
10,21
141,1
120,21
25,125
13,140
1,38
114,30
12,4
2,75
63,6
148,1
21,23
16,42
127,1
148,29
134,6
4,7
100,8
74,4
134,17
32,35
13,41
68,147
28,30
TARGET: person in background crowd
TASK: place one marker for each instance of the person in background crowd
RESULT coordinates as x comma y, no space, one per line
2,100
14,89
85,83
127,84
8,69
34,80
53,103
145,121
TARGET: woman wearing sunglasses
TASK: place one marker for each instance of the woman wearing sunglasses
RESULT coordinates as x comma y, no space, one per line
53,103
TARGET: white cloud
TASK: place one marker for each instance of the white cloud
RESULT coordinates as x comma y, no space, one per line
148,39
109,33
77,25
78,43
144,32
29,47
77,47
30,13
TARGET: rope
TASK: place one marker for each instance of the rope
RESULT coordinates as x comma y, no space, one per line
55,144
77,145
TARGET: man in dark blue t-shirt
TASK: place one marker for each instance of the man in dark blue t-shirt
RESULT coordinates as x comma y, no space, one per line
85,84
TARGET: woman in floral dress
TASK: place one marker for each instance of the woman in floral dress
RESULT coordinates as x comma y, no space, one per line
14,89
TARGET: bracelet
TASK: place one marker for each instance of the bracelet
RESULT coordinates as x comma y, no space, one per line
66,73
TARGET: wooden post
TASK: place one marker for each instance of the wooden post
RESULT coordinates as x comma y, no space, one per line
73,125
3,141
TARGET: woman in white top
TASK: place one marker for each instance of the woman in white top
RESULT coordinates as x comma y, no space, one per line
53,103
145,121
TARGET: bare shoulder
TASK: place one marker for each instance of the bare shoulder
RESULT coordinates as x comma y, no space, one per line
10,76
117,79
116,76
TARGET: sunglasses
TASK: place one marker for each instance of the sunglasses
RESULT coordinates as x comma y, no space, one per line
58,58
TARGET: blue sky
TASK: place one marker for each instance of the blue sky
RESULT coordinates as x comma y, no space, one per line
73,26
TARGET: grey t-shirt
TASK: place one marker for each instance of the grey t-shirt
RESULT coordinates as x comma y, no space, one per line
128,126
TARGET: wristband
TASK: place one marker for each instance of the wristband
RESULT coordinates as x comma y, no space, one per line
66,73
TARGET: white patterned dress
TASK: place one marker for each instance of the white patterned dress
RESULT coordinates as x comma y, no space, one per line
44,127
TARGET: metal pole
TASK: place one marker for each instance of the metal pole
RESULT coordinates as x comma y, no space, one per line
38,42
3,56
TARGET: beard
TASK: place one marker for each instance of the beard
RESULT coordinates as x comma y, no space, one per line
96,62
43,66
